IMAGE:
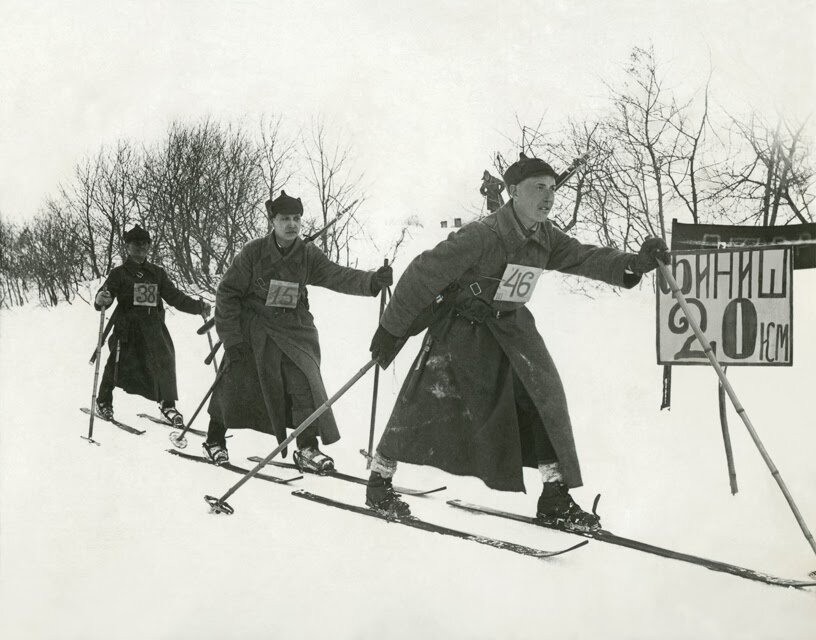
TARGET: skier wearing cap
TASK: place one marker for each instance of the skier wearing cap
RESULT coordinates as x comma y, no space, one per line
272,379
142,358
484,397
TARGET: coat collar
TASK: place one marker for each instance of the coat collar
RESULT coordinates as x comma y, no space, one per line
511,231
134,267
273,253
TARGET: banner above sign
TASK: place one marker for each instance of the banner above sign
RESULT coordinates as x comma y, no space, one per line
743,299
802,237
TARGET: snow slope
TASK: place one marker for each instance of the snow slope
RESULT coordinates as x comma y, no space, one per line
116,541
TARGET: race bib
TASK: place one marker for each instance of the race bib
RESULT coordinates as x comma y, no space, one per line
282,294
517,283
145,294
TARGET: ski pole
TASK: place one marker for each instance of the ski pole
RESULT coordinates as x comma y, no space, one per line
211,357
317,234
177,437
681,300
204,328
105,334
219,505
212,353
99,341
729,454
570,170
376,381
116,364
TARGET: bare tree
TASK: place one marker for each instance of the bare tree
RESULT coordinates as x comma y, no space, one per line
768,178
13,280
644,143
113,198
276,156
50,253
648,158
339,191
687,168
204,188
77,197
100,201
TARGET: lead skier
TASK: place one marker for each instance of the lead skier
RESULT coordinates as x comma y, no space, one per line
484,397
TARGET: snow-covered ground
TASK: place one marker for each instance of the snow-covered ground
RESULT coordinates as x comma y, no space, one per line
116,541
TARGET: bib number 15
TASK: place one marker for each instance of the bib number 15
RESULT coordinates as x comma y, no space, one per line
518,283
282,294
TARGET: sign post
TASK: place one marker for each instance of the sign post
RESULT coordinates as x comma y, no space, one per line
668,281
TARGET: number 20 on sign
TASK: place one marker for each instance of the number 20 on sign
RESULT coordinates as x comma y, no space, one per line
743,301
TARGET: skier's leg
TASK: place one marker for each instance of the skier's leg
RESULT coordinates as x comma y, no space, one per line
104,395
216,444
170,413
380,494
299,406
555,503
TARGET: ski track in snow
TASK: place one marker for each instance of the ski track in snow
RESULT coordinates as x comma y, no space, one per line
116,541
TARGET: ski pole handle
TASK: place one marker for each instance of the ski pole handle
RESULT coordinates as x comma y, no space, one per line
214,349
204,328
570,170
317,234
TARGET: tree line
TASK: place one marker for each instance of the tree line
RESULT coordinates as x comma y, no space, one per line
200,192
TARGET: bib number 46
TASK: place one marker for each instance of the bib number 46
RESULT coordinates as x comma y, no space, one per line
518,283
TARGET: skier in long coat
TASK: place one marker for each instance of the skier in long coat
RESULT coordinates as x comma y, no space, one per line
142,358
272,379
484,397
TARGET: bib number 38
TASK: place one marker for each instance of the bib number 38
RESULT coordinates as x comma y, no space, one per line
145,294
517,283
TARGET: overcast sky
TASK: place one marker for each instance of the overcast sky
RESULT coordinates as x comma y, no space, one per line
426,91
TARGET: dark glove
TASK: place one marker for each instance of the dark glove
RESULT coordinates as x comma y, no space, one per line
652,250
205,309
238,353
385,346
383,277
103,299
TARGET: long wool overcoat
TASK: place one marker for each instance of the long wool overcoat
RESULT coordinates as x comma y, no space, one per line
456,409
253,396
147,358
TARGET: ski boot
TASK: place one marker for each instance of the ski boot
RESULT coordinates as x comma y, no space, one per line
104,410
172,416
556,507
217,453
311,459
380,496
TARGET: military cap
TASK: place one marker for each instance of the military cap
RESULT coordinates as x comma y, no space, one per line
284,205
136,234
525,168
